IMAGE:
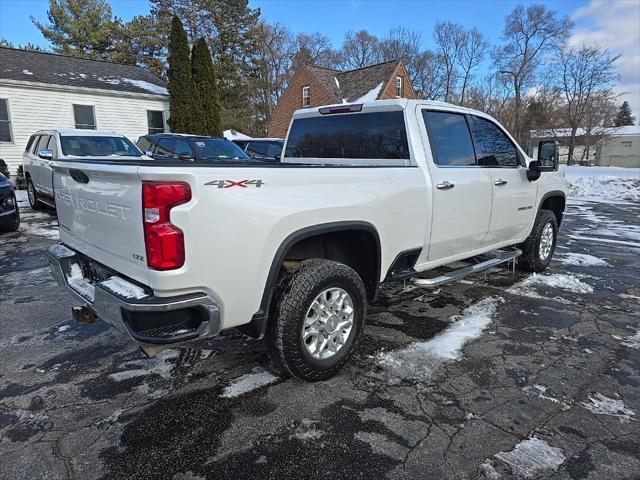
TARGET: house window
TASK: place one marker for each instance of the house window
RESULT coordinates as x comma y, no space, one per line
155,120
398,86
5,123
84,117
626,144
305,97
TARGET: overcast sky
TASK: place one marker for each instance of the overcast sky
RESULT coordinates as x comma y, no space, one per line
612,24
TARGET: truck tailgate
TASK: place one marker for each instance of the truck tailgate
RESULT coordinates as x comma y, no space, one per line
99,208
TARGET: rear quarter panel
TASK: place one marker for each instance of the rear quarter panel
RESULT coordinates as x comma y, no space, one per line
232,234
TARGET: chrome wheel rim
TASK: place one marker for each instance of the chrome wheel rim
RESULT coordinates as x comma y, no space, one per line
30,194
328,323
546,242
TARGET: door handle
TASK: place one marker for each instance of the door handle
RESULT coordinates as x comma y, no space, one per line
42,164
500,182
445,186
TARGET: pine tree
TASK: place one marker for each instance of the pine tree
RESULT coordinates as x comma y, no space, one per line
208,97
624,116
83,28
180,83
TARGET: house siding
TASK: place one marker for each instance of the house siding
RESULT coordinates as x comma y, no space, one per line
292,101
407,89
36,108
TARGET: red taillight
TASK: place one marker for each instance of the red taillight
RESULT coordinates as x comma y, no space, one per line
164,242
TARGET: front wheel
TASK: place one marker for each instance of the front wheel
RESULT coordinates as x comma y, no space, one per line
317,320
538,248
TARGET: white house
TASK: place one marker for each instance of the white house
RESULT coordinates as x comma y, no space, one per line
45,91
610,146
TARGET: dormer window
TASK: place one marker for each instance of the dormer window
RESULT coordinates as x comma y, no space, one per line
398,87
306,99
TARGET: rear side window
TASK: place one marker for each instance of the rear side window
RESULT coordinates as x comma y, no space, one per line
449,138
380,135
493,147
144,144
30,143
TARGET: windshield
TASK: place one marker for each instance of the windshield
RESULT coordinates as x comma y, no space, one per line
217,149
98,146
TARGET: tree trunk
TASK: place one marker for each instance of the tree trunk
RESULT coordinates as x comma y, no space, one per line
572,144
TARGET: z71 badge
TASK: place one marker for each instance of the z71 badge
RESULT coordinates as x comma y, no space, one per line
234,183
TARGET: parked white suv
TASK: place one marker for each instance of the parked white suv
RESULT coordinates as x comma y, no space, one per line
47,146
170,251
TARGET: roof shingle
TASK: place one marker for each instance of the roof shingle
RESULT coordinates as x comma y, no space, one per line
24,65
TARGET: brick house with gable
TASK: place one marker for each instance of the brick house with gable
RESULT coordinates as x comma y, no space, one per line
313,86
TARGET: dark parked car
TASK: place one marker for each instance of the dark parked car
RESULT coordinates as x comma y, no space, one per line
263,148
9,212
190,148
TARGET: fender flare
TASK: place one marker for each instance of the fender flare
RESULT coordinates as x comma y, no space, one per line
552,193
258,324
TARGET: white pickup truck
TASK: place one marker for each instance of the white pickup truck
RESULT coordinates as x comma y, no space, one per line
171,251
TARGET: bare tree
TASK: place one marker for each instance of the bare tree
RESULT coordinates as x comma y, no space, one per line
473,51
530,34
584,73
403,44
313,49
450,39
359,49
600,113
430,77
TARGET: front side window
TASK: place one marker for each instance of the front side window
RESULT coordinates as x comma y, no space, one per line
398,86
449,138
42,144
5,123
493,147
84,117
53,146
155,121
380,135
217,149
98,146
306,98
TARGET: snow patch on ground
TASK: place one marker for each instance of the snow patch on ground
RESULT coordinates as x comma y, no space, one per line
562,281
582,260
612,183
27,72
40,229
371,95
631,341
603,405
419,359
307,430
531,457
246,383
541,391
159,365
62,328
123,288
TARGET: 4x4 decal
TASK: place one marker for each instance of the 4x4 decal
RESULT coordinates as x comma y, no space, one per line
236,183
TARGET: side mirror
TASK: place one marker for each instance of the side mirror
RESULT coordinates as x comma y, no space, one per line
185,157
148,153
548,156
46,154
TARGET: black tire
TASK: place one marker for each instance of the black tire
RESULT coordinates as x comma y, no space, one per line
296,292
34,202
530,260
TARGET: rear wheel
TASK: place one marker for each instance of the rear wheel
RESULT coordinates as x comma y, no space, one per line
32,195
538,248
317,320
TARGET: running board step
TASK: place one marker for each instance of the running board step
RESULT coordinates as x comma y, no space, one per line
497,258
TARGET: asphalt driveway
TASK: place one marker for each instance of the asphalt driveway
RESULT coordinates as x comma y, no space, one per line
547,385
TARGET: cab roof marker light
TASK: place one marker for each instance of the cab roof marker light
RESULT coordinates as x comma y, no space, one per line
355,107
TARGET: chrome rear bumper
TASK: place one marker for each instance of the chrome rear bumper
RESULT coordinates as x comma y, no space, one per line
127,306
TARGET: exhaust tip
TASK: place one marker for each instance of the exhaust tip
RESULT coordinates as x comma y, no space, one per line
83,315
